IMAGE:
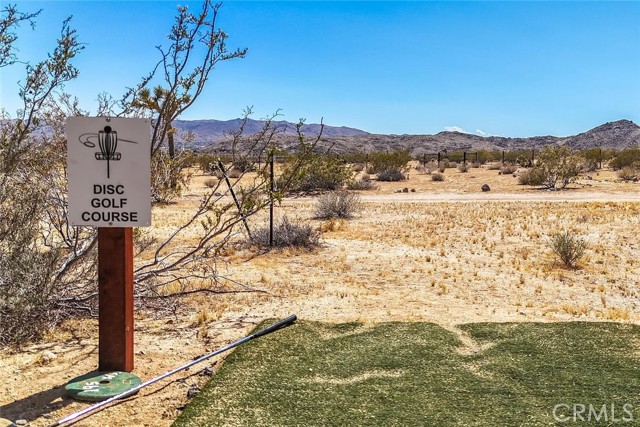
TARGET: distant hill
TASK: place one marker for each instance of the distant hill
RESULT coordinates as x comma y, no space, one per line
207,131
214,133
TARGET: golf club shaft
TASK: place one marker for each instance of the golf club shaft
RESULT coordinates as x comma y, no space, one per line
279,325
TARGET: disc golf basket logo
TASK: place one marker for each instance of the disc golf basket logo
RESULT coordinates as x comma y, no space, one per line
107,140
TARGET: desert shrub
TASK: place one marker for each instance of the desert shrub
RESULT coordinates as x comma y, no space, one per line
319,172
168,177
364,183
391,175
558,166
211,183
531,176
476,165
508,169
287,233
452,165
337,204
437,176
431,167
234,173
395,160
358,167
463,167
569,247
494,166
625,157
243,164
628,173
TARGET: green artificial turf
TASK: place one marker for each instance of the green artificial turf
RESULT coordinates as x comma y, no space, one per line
419,374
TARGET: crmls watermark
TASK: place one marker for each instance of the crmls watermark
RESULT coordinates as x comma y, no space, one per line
578,412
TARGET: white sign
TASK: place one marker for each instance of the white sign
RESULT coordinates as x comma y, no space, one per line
109,170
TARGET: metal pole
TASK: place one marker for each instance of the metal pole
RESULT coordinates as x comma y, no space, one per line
271,189
115,299
276,326
235,199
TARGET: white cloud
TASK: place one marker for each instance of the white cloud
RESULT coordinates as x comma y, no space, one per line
455,129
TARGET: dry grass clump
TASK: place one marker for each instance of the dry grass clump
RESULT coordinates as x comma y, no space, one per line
288,233
569,247
391,175
628,174
364,183
337,204
508,169
437,176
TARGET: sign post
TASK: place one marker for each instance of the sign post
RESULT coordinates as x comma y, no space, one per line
109,171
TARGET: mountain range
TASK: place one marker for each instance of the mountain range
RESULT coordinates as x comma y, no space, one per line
214,134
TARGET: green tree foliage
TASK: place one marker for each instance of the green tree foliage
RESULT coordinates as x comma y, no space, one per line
394,160
557,166
319,172
48,267
624,158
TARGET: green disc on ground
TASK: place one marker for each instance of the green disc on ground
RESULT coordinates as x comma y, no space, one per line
97,386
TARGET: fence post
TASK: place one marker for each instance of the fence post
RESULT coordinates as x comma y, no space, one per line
271,189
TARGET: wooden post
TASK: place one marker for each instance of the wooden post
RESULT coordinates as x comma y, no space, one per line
464,157
600,158
502,156
115,294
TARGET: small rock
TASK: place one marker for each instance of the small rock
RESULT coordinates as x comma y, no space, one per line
405,190
207,372
398,191
21,422
485,187
48,357
193,390
413,190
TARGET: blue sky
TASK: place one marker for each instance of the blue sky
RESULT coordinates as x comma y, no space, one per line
500,68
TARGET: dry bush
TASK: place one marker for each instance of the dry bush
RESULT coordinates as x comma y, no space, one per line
287,233
508,169
364,183
358,167
431,167
337,204
533,176
391,175
463,167
437,176
234,173
628,173
569,247
211,183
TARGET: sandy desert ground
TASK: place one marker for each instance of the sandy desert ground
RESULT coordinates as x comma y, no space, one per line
446,253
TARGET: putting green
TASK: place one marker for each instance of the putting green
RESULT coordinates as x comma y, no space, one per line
419,374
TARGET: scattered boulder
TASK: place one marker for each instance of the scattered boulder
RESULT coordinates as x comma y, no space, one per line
405,190
413,190
485,187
